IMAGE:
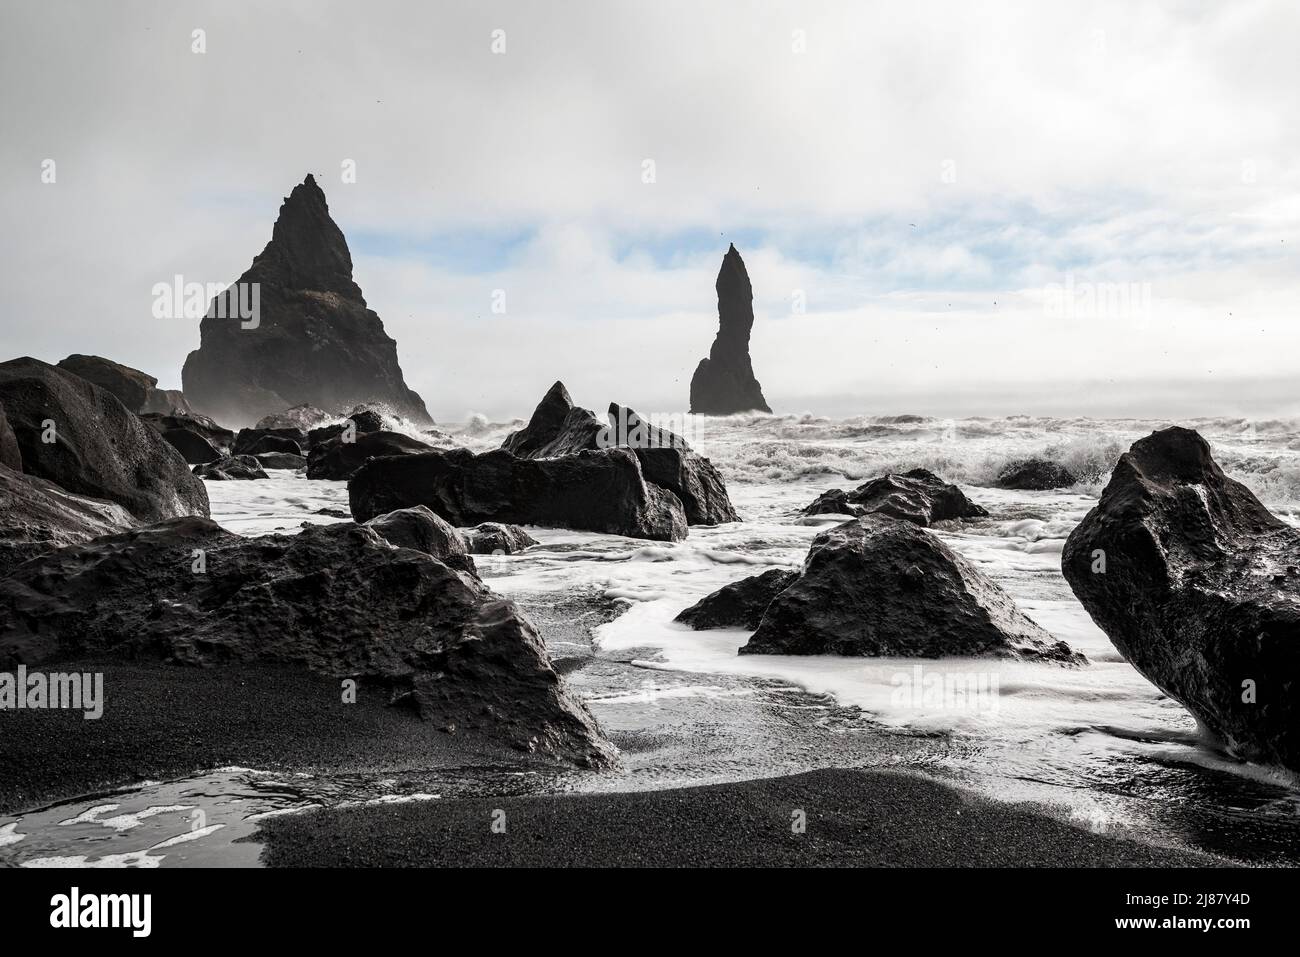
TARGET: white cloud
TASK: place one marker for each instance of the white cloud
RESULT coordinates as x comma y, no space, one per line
1151,143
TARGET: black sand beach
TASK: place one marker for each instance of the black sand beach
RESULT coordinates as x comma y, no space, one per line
853,818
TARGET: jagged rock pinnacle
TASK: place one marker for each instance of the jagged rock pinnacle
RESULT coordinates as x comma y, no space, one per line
724,382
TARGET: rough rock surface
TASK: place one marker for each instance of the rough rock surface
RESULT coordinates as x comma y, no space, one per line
740,604
257,441
36,516
724,382
918,496
1198,586
882,587
669,462
10,454
100,450
558,427
200,425
131,386
335,599
339,460
592,491
280,460
424,531
231,468
490,538
167,402
315,343
301,418
1035,475
195,448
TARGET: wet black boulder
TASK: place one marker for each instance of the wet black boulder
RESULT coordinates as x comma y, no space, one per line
1198,586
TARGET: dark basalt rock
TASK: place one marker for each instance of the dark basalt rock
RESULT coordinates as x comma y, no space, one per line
301,418
200,425
337,600
9,452
281,460
1198,586
669,462
131,386
100,450
316,341
724,382
740,604
918,496
195,448
136,390
832,502
231,468
558,427
491,538
339,460
363,422
1035,475
880,587
257,441
592,491
545,425
36,517
168,402
424,531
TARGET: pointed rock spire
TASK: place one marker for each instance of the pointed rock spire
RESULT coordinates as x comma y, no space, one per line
312,340
724,382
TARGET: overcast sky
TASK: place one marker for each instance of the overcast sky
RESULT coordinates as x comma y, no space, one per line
983,208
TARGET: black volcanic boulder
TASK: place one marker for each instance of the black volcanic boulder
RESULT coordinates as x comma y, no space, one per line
668,461
281,460
301,418
558,427
231,468
740,604
313,340
200,425
592,491
36,517
257,441
339,460
424,531
724,382
337,600
196,449
167,402
1035,475
546,424
131,386
1198,586
493,538
918,496
833,501
882,587
97,448
9,452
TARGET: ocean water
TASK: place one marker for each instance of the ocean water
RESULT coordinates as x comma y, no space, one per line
1098,745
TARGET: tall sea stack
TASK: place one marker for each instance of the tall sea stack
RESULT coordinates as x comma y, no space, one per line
313,340
724,382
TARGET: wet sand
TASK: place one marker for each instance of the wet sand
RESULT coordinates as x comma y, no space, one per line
853,818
